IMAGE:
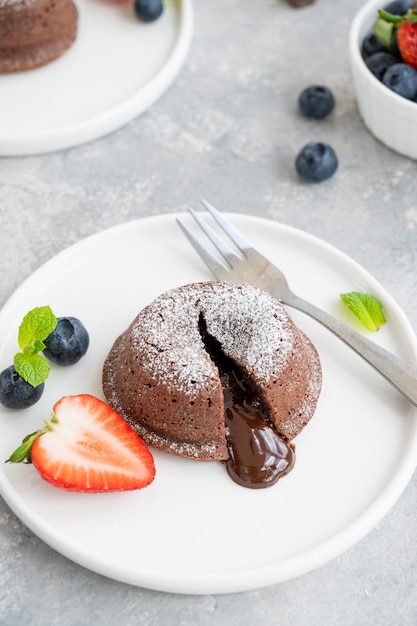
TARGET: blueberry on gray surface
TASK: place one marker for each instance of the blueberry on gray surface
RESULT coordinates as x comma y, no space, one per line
15,392
371,45
148,10
316,162
399,7
402,79
316,102
379,62
68,342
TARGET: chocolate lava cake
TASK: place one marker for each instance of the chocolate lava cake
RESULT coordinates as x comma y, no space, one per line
35,32
168,374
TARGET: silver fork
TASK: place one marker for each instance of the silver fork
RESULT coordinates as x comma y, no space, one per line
249,266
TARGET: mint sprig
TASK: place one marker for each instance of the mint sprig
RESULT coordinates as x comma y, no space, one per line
366,308
34,329
32,368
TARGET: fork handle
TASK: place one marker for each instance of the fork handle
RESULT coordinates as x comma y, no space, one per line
397,372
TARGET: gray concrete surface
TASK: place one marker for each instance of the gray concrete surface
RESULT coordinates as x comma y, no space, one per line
228,130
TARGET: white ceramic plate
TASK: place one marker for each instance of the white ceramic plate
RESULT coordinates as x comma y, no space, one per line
194,530
116,69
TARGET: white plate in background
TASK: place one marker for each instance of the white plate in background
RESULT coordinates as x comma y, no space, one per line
117,68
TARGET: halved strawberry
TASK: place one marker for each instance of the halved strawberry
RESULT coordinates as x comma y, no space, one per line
87,446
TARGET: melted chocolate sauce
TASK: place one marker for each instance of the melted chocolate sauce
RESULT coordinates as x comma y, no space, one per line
258,457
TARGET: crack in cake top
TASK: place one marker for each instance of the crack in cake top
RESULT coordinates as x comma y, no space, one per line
250,326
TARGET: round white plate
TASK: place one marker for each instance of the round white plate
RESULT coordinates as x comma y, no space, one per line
117,68
194,530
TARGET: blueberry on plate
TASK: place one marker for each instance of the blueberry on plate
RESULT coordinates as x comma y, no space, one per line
402,79
15,392
399,7
68,342
371,45
316,162
148,10
379,62
316,102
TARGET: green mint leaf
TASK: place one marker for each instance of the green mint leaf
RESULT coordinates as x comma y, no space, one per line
35,328
366,308
32,368
35,347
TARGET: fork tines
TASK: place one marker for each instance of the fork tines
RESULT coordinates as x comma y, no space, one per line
227,252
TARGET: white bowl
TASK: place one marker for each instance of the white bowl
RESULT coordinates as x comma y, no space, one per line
390,118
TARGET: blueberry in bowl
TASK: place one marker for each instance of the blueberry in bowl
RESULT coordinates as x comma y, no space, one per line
402,79
379,62
371,45
399,7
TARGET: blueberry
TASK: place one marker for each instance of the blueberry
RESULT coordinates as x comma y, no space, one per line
16,393
399,7
379,62
316,162
148,10
371,45
316,102
68,342
402,79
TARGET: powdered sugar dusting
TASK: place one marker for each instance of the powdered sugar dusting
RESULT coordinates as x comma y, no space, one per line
250,326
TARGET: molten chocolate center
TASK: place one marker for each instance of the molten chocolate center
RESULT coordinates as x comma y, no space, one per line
258,457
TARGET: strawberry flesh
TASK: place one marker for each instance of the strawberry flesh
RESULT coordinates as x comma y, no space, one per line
88,447
407,43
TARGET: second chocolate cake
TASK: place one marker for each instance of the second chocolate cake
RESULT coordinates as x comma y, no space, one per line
35,32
